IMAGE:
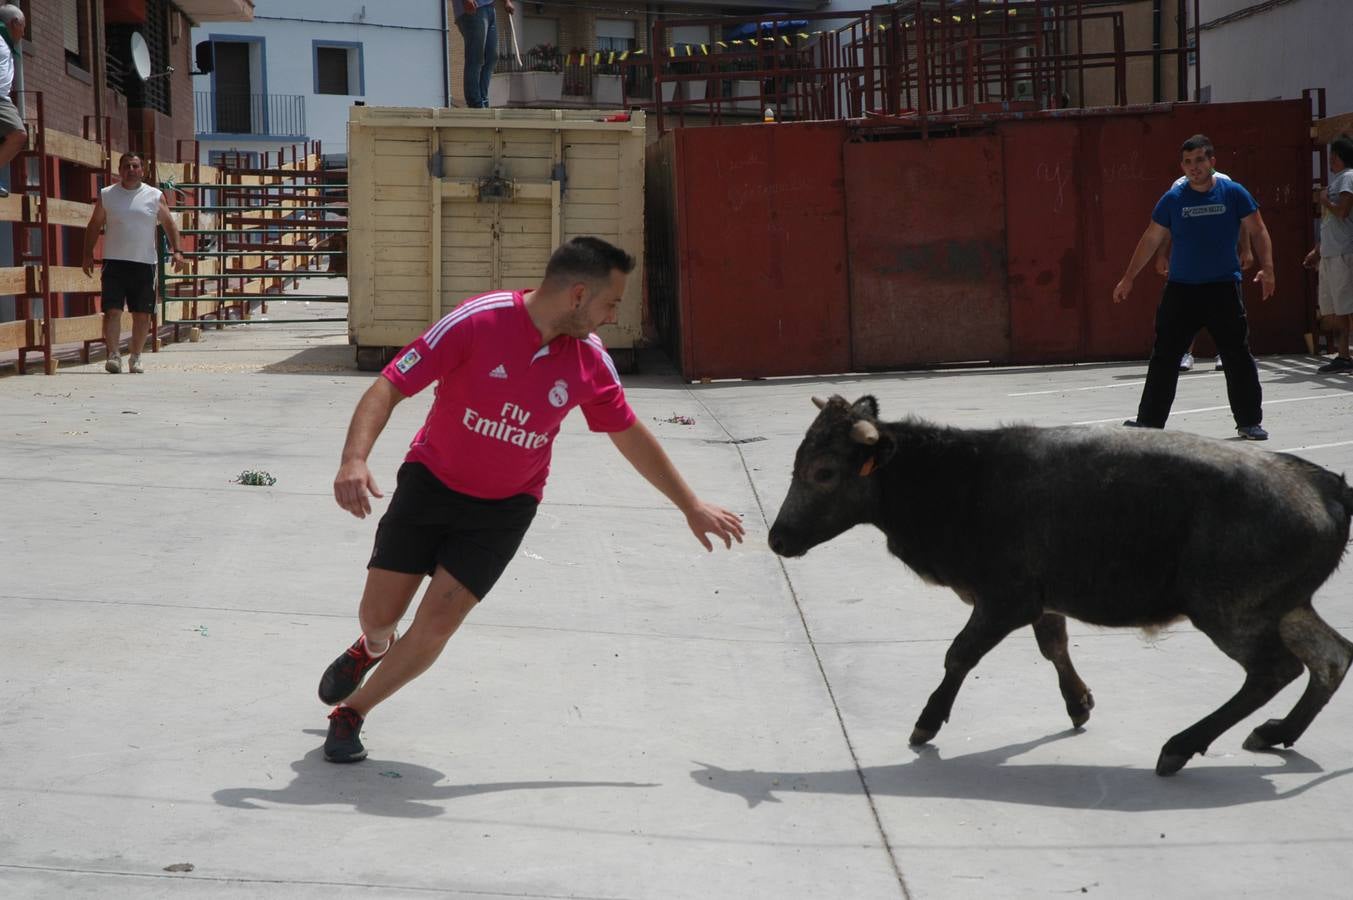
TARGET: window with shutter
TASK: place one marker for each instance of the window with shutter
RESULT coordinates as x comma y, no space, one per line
338,68
74,24
331,70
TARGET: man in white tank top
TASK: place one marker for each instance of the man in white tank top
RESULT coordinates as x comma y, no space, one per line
127,213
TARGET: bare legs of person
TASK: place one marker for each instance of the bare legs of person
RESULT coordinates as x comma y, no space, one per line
140,331
10,146
1339,325
112,339
387,596
1186,361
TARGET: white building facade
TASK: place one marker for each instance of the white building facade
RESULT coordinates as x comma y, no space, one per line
292,74
1266,49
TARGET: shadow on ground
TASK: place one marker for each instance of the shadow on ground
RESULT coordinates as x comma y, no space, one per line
985,776
328,360
381,787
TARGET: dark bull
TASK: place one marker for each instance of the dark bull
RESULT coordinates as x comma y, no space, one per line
1115,527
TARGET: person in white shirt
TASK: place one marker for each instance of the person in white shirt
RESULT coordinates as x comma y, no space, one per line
127,213
1333,252
13,134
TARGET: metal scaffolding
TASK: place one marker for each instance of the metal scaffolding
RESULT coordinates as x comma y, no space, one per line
257,229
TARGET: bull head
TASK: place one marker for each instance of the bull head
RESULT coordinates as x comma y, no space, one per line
833,487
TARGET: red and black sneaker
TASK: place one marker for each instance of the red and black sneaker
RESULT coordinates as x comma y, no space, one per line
345,674
344,743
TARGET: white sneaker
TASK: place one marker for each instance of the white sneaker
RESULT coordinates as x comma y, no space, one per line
114,365
1186,362
135,364
1218,367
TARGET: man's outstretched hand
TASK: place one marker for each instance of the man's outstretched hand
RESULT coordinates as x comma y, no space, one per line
706,518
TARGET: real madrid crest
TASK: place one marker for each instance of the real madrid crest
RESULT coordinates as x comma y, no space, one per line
559,394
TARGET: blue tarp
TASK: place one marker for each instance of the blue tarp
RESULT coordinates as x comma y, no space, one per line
749,29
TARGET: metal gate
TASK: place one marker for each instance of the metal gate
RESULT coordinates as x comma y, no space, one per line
257,230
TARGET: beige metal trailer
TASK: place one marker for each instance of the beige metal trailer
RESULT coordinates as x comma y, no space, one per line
449,203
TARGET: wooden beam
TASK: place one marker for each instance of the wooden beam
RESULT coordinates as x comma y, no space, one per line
423,122
1326,130
72,149
521,190
20,208
66,280
13,280
68,330
61,212
13,335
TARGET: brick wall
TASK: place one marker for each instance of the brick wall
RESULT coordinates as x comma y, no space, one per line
183,125
162,133
68,90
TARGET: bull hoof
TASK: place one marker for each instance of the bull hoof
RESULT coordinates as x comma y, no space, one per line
1267,736
921,735
1170,763
1080,710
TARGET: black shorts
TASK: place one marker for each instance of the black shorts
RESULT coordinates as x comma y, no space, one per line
428,524
128,284
10,120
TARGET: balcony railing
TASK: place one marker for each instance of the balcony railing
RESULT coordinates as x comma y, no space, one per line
269,115
629,72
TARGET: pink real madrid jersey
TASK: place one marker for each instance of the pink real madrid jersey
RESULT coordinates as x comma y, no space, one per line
501,396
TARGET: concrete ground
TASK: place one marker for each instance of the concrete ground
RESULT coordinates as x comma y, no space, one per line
626,716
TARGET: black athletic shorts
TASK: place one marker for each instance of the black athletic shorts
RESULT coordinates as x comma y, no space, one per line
428,524
128,284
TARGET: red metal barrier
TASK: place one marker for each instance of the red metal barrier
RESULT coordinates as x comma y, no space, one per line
927,252
1000,246
1042,185
762,250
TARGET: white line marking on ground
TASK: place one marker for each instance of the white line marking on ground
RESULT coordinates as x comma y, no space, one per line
1315,446
1200,376
1340,395
1094,387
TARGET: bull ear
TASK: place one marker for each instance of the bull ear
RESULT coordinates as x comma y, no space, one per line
881,452
866,407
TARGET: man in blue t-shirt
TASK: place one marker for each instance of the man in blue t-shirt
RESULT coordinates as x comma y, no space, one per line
1203,219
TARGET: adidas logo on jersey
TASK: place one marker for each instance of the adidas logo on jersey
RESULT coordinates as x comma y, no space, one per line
499,372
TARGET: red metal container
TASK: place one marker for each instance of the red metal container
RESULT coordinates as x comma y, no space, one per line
926,223
818,248
761,231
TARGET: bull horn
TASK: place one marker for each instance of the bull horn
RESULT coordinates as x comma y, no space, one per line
864,432
819,403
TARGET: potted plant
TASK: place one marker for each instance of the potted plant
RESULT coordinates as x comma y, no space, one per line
545,71
693,90
501,88
607,89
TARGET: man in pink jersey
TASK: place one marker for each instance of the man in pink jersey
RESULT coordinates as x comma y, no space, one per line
509,366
